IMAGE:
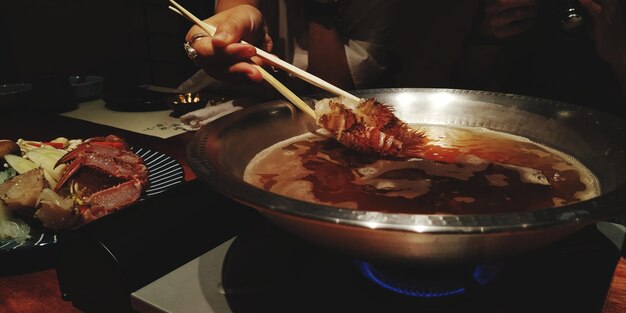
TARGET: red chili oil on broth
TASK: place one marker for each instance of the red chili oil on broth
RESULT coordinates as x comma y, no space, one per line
464,171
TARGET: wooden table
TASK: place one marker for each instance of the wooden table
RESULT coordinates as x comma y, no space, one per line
39,291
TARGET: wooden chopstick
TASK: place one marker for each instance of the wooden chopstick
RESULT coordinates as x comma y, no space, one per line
274,60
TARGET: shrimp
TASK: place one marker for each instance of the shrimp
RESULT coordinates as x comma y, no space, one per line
369,127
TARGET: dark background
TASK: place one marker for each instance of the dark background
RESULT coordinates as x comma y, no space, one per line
126,41
137,42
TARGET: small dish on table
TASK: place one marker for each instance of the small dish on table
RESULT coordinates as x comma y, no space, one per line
87,87
183,103
15,97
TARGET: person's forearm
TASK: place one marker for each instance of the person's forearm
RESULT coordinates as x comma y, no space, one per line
222,5
327,55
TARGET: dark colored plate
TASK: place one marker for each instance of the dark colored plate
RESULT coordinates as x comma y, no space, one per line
164,172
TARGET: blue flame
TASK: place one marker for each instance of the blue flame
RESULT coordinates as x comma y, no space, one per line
485,274
369,272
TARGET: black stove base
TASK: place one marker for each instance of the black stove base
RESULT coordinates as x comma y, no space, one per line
268,270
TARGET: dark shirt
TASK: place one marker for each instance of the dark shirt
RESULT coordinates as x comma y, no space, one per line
548,62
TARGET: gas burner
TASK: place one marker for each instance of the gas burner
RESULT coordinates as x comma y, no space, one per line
429,283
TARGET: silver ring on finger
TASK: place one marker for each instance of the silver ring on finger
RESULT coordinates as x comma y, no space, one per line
197,36
191,52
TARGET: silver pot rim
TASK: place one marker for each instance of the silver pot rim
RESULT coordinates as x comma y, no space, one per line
610,204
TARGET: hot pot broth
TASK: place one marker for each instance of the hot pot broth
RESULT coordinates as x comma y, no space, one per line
465,171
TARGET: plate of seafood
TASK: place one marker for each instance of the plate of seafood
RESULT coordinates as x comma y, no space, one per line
49,187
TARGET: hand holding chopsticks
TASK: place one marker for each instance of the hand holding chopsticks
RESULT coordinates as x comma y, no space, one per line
210,29
273,60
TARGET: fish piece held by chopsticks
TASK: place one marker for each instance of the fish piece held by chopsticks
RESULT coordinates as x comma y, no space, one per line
369,127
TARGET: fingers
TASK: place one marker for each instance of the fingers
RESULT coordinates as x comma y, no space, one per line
229,63
222,56
234,59
247,69
193,31
230,54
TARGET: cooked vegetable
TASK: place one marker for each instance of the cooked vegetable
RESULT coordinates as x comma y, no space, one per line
19,164
46,159
14,229
6,174
60,143
51,181
54,153
57,145
55,211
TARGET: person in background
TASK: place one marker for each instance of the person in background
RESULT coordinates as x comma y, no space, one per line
342,42
610,34
530,47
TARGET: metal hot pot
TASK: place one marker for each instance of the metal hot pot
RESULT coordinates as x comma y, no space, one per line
220,151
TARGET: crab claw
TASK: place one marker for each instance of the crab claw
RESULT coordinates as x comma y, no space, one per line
116,177
70,155
108,200
108,141
69,172
111,140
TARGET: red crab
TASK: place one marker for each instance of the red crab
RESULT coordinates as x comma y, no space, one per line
111,176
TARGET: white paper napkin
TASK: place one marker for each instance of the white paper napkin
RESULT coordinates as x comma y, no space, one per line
194,120
156,123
